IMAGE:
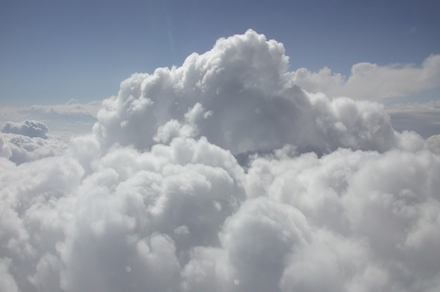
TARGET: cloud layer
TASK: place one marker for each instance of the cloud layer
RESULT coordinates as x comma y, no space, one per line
327,196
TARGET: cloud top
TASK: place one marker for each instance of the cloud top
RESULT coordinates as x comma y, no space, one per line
243,83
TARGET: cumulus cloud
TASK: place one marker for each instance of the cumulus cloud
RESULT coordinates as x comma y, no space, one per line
371,81
155,199
244,84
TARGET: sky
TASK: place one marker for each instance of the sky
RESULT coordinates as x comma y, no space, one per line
54,51
259,152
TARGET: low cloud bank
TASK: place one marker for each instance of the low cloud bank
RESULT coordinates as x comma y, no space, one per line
155,200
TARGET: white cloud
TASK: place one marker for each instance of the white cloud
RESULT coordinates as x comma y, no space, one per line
155,199
371,81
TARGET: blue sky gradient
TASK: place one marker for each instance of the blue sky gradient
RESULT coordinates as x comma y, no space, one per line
53,51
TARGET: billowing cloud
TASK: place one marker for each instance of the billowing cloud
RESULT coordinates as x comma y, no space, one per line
244,85
327,195
371,81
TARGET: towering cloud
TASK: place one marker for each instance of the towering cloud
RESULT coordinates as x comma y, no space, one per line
244,85
327,196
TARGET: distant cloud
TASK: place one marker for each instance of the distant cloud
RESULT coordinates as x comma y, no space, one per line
26,128
371,81
329,196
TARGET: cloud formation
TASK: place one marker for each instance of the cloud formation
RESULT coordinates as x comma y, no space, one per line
155,199
371,81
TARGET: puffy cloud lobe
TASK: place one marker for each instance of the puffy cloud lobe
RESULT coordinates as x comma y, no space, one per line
155,199
243,82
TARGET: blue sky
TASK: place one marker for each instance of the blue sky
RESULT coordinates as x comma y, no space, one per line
53,51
